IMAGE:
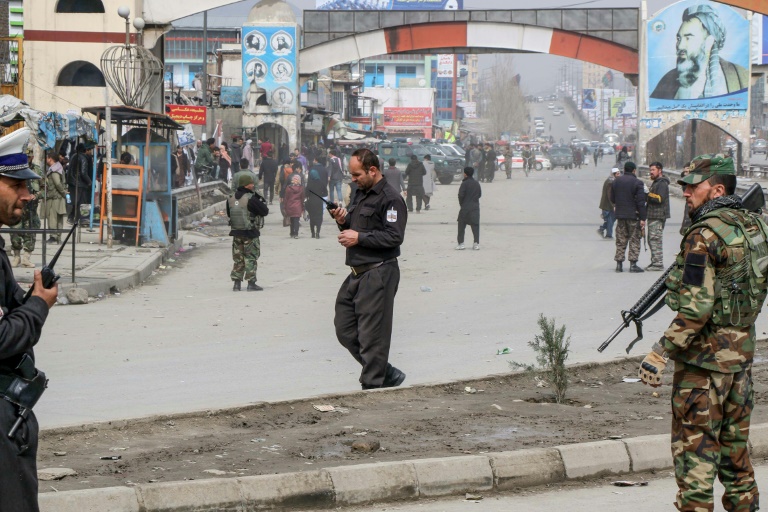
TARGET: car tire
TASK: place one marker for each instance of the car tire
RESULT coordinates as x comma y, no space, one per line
445,180
538,166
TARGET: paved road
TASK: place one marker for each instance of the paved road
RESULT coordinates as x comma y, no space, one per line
187,342
658,495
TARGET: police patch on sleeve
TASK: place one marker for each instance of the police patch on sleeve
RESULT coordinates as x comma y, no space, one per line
392,215
695,264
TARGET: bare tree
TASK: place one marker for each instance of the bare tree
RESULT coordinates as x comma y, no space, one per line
503,103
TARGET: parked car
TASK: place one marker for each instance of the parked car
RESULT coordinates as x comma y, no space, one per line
402,152
759,146
607,149
453,162
455,149
571,127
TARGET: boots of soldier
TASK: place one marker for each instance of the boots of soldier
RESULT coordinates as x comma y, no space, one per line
16,258
26,260
317,232
312,228
253,287
236,287
619,267
634,268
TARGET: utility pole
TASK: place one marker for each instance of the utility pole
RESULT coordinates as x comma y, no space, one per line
205,58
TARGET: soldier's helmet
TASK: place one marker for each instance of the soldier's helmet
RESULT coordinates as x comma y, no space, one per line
13,156
705,166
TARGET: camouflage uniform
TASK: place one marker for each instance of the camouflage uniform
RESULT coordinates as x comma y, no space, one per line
627,232
658,213
717,290
29,217
245,253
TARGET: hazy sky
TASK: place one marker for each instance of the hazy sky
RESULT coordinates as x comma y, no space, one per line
538,71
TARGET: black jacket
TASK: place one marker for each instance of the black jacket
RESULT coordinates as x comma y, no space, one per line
415,173
469,201
21,324
79,171
379,216
658,199
268,170
628,197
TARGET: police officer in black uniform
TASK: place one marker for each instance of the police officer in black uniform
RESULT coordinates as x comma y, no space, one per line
20,329
372,230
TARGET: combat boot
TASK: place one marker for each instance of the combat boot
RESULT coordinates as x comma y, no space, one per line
317,232
16,258
253,287
619,267
26,260
634,268
236,287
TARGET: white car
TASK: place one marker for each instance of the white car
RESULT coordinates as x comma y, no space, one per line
551,106
571,127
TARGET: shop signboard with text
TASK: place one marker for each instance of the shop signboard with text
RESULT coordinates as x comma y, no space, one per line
407,116
184,114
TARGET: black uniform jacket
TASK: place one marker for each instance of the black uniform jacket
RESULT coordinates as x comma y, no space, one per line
20,325
379,216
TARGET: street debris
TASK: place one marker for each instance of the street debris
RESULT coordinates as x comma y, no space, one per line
426,289
472,497
629,483
111,457
323,408
470,390
370,446
503,351
49,474
630,380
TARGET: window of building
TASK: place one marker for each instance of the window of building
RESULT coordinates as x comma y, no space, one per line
80,74
80,6
374,75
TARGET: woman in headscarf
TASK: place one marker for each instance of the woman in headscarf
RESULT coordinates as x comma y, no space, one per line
248,153
225,163
293,201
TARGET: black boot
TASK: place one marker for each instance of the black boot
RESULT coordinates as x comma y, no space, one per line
312,228
317,232
393,377
619,267
236,287
634,268
253,287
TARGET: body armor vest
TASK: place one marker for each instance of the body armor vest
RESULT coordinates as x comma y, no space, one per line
239,216
740,288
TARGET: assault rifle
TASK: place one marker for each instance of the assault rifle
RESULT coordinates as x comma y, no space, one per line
48,275
652,300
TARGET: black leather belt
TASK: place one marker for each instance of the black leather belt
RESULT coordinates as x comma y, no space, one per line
361,269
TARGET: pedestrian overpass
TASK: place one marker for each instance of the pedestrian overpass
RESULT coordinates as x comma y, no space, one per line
608,37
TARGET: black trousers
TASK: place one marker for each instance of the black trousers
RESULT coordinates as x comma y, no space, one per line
269,190
18,477
364,308
79,195
418,191
475,232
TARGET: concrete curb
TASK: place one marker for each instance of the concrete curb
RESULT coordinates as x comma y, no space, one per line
94,282
206,212
386,481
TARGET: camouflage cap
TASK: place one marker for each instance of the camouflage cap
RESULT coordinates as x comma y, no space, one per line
704,167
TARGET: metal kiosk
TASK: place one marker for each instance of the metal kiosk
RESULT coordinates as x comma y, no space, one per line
141,190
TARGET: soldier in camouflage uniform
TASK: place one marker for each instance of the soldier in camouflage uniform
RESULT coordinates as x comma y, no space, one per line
658,213
29,220
246,210
717,288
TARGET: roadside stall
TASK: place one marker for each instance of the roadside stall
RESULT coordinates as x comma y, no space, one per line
142,203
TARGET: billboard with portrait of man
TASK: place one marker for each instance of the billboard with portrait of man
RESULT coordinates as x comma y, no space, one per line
698,58
269,68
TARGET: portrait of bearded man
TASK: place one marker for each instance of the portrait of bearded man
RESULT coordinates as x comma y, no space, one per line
700,71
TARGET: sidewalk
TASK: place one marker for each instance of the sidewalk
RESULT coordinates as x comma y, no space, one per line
408,481
97,268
